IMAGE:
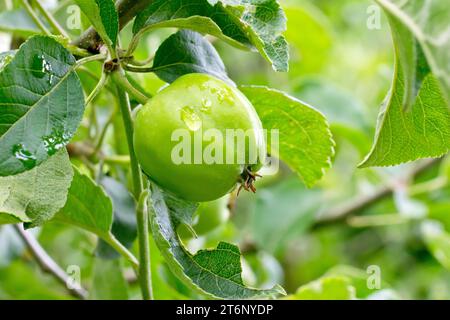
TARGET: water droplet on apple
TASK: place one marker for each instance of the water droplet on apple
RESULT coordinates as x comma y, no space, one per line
191,118
206,105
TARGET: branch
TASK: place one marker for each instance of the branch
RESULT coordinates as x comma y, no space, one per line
127,10
340,213
46,263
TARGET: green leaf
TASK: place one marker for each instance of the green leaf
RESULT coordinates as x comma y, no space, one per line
196,15
187,52
124,226
437,241
87,206
18,22
414,121
429,24
36,195
440,211
254,24
327,288
305,141
263,21
215,273
108,282
103,16
41,104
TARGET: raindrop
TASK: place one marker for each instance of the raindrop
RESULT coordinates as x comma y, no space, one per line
213,90
191,118
24,156
223,95
206,105
42,68
55,141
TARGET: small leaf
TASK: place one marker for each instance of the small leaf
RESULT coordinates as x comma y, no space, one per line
196,15
124,224
187,52
41,104
87,206
305,141
255,24
414,121
103,16
327,288
263,22
36,195
108,282
216,272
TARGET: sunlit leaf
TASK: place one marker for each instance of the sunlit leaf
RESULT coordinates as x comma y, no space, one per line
36,195
414,121
429,24
87,206
252,23
305,141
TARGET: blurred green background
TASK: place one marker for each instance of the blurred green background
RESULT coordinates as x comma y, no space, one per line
342,64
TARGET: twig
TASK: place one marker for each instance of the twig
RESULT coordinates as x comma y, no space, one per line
46,263
145,274
98,88
122,250
141,212
127,10
51,20
95,57
103,131
341,213
35,18
133,68
121,80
